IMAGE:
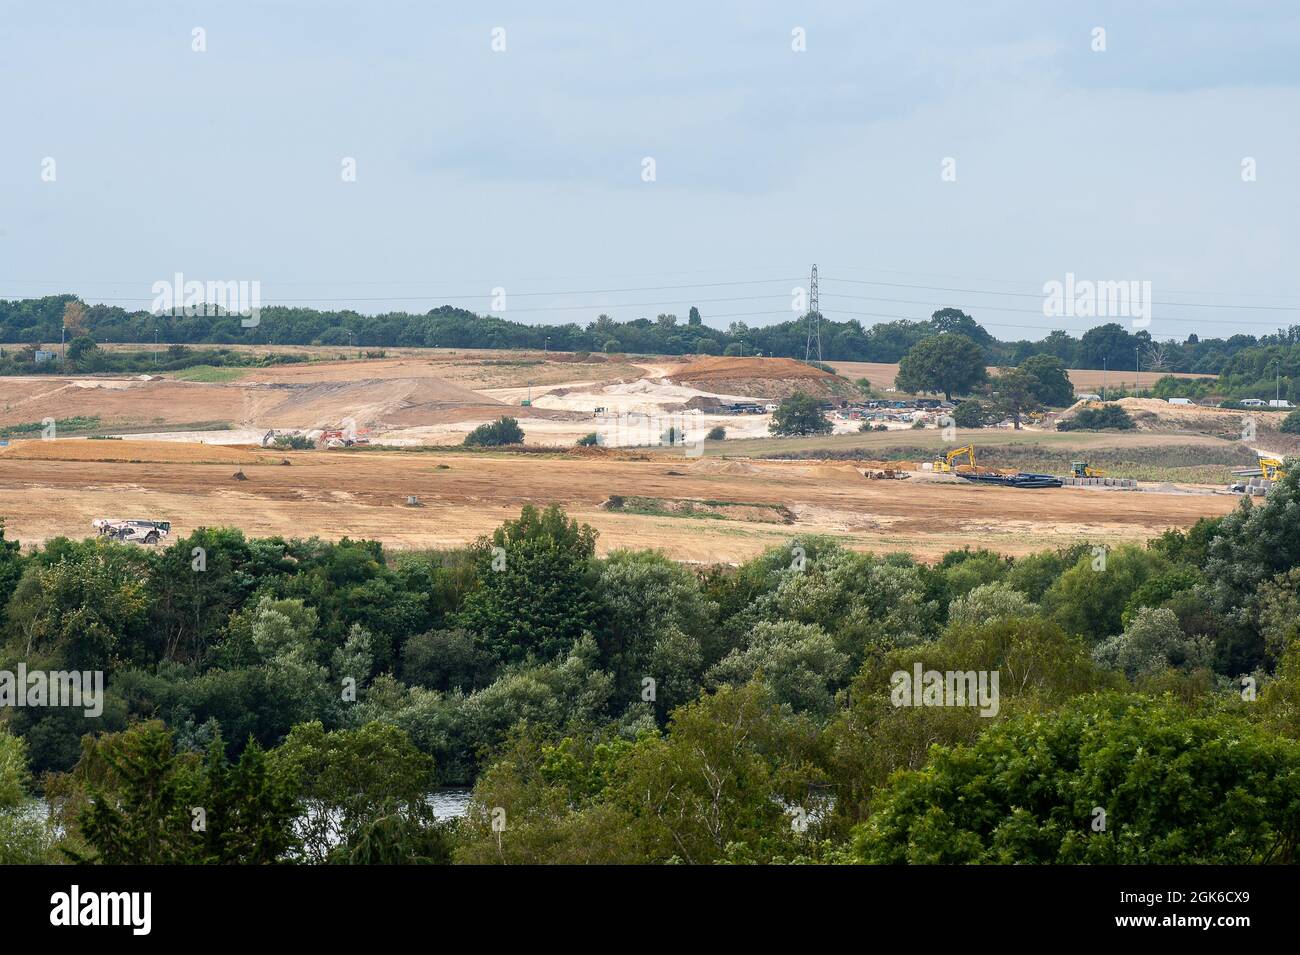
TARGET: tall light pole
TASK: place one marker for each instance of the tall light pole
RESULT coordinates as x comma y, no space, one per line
1103,379
1137,369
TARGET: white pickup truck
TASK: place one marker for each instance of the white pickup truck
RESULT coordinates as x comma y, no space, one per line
142,532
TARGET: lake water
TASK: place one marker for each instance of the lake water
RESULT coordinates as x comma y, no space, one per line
449,803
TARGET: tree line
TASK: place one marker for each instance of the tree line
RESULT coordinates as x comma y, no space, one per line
1249,361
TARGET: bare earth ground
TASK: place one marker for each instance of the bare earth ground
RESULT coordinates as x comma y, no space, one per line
718,508
333,494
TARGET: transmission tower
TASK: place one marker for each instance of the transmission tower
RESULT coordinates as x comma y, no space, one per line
814,320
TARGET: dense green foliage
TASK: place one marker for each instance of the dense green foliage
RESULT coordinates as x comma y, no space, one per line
969,414
503,431
307,696
949,363
1250,366
800,414
1106,418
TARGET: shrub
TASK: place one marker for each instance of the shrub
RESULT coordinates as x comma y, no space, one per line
503,431
294,442
1291,423
716,433
588,440
1106,418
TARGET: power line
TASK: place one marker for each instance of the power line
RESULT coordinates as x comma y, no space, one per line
1038,285
1039,295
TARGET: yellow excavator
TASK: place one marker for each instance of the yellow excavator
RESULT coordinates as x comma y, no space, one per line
1271,468
945,464
1080,469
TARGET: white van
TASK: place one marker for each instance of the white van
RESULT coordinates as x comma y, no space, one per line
1280,404
1252,402
1180,401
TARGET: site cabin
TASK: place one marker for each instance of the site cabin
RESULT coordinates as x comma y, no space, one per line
1283,403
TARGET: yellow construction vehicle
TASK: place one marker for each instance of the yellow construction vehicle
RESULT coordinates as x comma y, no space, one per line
1080,469
1271,468
945,464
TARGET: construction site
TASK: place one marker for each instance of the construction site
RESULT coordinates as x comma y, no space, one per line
369,448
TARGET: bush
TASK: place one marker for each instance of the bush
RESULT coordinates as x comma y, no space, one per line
588,440
1106,418
294,442
1291,423
504,431
716,433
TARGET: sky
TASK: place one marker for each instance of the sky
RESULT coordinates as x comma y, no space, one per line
922,155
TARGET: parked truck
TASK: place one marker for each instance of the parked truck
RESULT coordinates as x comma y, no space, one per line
135,531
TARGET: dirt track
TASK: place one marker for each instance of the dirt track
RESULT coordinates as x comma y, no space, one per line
333,494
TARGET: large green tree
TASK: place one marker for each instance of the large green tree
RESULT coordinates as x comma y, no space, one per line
536,585
1051,381
1014,393
950,363
798,415
144,803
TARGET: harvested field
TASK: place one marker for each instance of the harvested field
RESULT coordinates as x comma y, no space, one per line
118,401
1092,379
882,375
144,452
332,495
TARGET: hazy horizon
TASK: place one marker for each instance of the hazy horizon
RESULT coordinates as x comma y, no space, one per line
523,168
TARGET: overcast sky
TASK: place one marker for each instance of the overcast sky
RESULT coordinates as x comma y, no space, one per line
525,168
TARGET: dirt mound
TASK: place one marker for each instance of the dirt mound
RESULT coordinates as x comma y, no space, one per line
716,466
1152,414
757,377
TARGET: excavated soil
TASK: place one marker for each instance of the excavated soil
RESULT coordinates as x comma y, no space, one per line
332,494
